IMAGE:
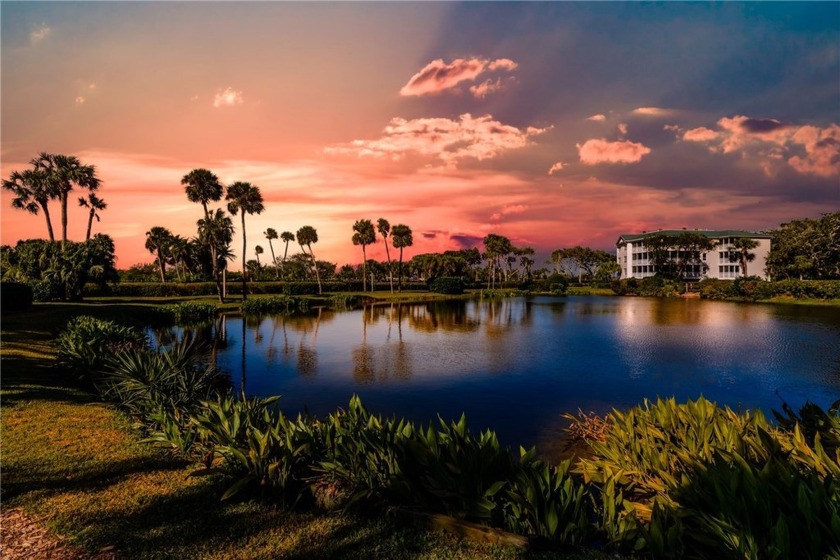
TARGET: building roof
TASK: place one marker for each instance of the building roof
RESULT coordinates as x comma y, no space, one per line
710,233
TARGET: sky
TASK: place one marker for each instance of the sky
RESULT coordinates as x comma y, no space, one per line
554,124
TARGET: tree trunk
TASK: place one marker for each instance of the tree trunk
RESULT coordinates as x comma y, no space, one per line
399,281
244,256
364,269
274,259
90,223
162,265
63,220
46,209
390,267
315,265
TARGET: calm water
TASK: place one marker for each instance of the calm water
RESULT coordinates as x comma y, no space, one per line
516,365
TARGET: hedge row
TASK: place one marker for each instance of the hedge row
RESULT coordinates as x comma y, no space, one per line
754,289
171,289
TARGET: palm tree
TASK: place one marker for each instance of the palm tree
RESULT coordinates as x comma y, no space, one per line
63,172
306,236
94,203
32,191
158,240
181,251
216,232
401,237
270,234
742,254
259,251
202,186
384,228
244,198
364,236
286,236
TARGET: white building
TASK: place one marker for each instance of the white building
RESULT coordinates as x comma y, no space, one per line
637,262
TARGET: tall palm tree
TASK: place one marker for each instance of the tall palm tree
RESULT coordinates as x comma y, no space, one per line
258,251
216,232
287,236
384,229
64,173
158,240
202,186
94,203
244,198
742,254
401,237
306,236
32,190
271,233
364,236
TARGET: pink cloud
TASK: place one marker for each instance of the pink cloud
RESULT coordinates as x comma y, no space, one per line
481,90
654,111
700,134
770,144
444,139
622,129
438,76
600,150
556,167
507,210
597,118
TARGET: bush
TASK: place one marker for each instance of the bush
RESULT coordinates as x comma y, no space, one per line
755,289
86,345
190,313
272,304
447,285
15,296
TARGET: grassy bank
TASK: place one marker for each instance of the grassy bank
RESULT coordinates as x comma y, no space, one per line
78,465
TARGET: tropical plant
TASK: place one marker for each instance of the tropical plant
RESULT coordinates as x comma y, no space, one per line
306,236
270,234
94,204
271,304
258,251
244,198
202,186
216,232
86,345
32,191
190,312
364,235
741,254
384,229
401,237
158,242
63,173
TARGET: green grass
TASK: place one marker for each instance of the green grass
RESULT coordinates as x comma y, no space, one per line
79,465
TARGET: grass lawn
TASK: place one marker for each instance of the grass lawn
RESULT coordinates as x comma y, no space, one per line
79,465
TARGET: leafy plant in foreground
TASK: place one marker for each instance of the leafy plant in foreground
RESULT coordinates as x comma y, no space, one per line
86,345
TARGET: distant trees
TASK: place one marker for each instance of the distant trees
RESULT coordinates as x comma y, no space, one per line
384,229
583,261
258,251
287,237
364,235
401,237
158,241
31,192
808,248
270,234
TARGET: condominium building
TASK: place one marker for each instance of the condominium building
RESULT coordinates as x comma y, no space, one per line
637,260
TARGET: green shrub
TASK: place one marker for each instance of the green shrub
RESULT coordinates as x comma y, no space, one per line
272,305
15,296
190,313
447,285
86,345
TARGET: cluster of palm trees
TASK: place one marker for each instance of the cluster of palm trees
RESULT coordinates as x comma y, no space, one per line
53,177
215,230
364,234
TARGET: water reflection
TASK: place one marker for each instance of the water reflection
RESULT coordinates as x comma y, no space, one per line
516,364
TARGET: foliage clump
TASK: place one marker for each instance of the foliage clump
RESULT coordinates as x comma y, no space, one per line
447,285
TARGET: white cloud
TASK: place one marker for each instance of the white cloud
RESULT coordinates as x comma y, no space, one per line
229,97
39,34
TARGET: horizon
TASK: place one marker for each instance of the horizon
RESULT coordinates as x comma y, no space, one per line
553,124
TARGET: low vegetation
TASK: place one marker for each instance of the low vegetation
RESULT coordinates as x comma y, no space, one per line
662,479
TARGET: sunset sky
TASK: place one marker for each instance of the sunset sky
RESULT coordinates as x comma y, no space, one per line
554,124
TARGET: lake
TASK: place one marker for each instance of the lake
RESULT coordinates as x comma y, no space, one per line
516,365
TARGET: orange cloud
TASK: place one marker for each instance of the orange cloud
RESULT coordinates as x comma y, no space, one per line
438,76
229,97
700,134
444,139
654,111
600,150
597,118
556,167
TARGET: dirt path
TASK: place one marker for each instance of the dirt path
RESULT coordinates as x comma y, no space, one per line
22,537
